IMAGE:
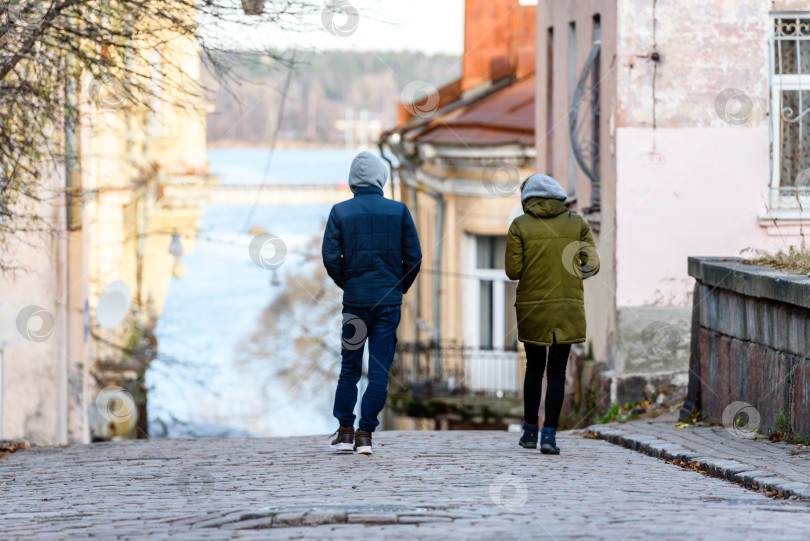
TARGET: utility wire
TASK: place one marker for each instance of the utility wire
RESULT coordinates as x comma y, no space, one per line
306,253
272,143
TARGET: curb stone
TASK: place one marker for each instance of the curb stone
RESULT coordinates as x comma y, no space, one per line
730,470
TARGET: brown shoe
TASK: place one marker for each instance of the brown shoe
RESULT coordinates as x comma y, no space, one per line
344,440
362,442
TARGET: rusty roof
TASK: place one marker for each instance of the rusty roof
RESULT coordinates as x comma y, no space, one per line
503,117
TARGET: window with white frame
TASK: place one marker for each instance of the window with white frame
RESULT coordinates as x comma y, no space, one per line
790,105
492,296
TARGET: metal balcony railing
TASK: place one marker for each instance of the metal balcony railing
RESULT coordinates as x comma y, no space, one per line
452,369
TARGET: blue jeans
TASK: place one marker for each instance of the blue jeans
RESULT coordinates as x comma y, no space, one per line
378,325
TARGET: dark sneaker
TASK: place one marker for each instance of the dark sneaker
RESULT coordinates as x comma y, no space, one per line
529,438
362,442
548,441
344,440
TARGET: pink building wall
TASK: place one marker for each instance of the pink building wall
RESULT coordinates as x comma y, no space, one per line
689,182
700,193
36,401
678,179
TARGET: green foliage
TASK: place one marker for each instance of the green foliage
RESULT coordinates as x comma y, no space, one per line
782,424
610,415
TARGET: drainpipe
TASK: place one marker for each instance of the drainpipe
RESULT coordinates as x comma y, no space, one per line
418,284
71,220
413,184
437,264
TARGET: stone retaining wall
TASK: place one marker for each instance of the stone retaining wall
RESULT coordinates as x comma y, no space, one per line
750,343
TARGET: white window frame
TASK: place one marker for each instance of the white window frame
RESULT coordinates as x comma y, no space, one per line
495,370
778,83
472,294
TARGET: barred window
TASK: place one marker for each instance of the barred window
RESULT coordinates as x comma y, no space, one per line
790,105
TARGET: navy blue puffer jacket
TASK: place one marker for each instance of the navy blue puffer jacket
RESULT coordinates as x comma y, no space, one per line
371,249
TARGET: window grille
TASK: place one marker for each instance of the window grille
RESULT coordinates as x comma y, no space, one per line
790,105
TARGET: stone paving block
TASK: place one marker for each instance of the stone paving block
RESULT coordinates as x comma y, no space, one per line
722,384
737,379
325,516
641,438
701,459
194,519
658,448
767,384
790,486
291,518
800,391
725,468
748,477
253,524
370,518
767,480
708,372
218,521
682,453
415,519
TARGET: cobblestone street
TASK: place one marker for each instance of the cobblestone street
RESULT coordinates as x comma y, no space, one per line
427,485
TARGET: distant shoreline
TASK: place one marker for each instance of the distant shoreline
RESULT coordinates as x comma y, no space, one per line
286,144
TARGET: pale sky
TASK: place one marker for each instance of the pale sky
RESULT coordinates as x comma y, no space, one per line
430,26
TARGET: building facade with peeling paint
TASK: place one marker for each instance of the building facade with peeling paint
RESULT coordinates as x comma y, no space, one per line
124,211
680,127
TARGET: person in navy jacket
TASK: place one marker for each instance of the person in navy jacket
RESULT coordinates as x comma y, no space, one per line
371,251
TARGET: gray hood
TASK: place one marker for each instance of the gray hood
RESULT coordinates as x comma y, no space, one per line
542,186
367,170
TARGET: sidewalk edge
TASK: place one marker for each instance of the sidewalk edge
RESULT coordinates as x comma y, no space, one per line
730,470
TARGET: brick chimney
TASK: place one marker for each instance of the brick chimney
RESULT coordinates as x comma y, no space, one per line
496,36
522,40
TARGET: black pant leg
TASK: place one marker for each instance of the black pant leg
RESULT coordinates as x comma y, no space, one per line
533,382
555,388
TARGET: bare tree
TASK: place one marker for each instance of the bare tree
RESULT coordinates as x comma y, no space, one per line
53,50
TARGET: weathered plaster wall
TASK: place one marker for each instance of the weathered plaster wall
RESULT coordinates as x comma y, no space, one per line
704,48
688,181
699,193
34,380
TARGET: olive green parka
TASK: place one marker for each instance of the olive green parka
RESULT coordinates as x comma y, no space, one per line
550,250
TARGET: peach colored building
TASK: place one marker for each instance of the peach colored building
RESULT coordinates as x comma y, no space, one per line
461,151
139,177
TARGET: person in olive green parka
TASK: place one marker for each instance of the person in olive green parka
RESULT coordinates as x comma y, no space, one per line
549,250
